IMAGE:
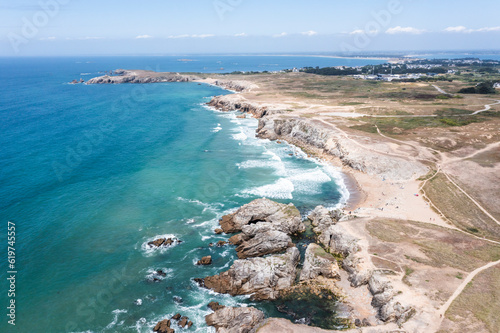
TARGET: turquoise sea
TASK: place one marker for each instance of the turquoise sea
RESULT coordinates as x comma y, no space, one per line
90,174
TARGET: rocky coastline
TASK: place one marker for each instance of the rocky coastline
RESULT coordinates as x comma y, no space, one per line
268,265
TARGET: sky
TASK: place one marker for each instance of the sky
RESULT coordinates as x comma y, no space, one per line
154,27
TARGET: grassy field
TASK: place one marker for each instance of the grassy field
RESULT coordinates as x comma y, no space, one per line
442,247
459,209
480,301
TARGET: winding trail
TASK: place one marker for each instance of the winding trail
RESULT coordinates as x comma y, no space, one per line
442,310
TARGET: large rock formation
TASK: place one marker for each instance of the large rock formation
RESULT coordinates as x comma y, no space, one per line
317,262
263,278
235,320
284,218
139,76
268,242
357,263
237,102
310,133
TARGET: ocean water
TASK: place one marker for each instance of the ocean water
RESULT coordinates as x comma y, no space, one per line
90,174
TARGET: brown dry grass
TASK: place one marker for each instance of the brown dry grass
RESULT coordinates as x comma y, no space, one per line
480,301
459,209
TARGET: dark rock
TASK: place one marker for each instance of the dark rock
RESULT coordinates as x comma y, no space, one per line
211,244
157,243
199,282
177,316
205,261
190,323
218,231
221,243
178,299
214,306
161,273
357,322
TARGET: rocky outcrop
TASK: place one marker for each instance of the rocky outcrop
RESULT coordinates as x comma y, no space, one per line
139,76
284,218
322,217
263,278
163,242
239,103
235,320
261,244
318,263
335,238
163,327
331,141
207,260
356,263
234,85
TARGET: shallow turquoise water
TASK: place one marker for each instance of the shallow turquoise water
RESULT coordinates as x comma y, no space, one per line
90,174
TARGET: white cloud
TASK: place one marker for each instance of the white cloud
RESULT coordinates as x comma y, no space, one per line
488,29
404,30
241,35
143,37
202,36
463,29
360,32
48,38
357,32
309,33
283,34
459,28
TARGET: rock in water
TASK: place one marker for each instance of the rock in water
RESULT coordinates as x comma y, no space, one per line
183,322
285,218
163,327
214,306
158,242
235,320
261,277
177,316
317,262
264,243
205,261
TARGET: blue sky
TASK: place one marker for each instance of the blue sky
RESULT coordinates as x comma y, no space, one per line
74,27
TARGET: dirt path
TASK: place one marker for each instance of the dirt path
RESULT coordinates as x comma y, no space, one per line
440,90
442,310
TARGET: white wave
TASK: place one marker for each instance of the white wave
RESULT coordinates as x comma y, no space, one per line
309,181
206,206
217,129
152,274
281,189
240,136
85,73
115,319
